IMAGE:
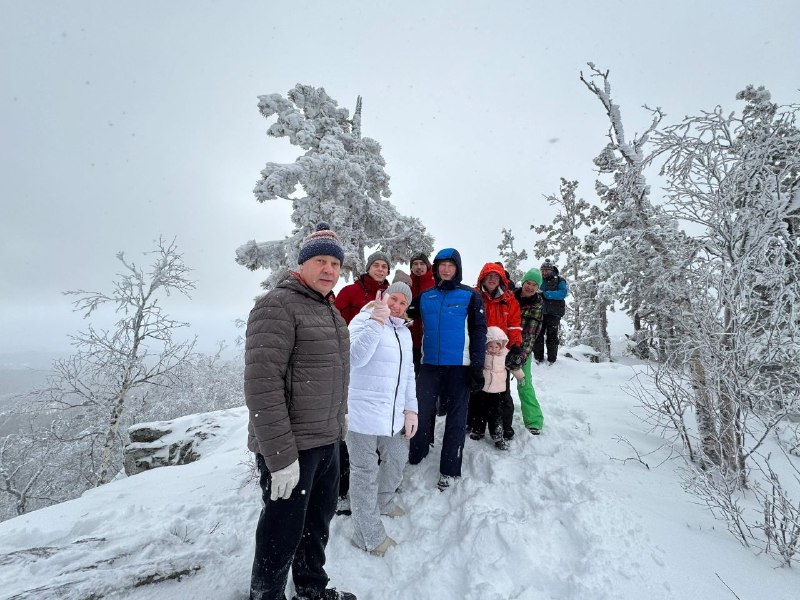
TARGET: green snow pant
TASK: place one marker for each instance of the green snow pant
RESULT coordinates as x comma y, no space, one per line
531,411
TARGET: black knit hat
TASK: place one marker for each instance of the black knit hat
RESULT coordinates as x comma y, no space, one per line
323,242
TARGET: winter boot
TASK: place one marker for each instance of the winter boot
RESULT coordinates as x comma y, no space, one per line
394,512
445,481
329,594
385,545
474,435
534,431
502,445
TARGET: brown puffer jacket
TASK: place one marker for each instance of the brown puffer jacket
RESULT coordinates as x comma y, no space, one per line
297,368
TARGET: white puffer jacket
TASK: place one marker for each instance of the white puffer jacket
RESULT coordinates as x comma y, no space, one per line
382,383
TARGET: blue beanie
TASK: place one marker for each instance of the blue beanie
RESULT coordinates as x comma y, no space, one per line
323,242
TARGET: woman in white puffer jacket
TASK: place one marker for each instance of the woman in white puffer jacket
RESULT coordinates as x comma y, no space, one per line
382,413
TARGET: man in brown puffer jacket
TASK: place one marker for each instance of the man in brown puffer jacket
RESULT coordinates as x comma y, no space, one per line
297,369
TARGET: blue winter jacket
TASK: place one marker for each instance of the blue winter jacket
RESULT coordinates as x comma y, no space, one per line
453,319
554,291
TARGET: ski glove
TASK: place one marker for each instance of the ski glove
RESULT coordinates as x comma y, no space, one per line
284,481
514,358
411,424
380,310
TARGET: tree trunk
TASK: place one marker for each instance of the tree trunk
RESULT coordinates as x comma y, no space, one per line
111,435
705,411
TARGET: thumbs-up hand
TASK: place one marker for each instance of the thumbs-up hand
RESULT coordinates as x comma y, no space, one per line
380,311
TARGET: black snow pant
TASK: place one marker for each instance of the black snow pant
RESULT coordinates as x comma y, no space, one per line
294,532
486,409
449,384
478,417
344,470
548,336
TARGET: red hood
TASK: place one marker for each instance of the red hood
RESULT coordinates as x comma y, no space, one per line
493,268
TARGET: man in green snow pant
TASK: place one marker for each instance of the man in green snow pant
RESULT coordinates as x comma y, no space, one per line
530,305
531,411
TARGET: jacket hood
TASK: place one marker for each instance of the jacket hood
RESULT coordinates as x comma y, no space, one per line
447,254
493,268
495,334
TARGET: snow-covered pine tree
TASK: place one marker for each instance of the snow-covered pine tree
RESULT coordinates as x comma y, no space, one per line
586,318
643,250
339,179
510,257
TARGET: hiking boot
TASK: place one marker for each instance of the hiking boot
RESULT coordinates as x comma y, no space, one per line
394,512
534,431
329,594
343,506
502,445
445,481
381,550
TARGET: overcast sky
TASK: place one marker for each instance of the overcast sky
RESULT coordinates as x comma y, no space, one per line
123,121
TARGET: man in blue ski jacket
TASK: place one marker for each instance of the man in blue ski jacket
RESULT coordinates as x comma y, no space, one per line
554,291
453,353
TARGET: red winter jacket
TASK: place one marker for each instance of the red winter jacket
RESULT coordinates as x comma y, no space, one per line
352,298
419,283
502,310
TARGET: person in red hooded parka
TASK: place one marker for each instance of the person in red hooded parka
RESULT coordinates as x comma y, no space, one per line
502,310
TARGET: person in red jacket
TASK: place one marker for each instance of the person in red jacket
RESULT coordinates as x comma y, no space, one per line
502,310
350,300
421,280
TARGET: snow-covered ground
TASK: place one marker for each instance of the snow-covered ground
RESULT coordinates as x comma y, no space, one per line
562,516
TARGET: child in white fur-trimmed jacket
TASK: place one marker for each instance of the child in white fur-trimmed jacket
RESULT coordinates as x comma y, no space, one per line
494,387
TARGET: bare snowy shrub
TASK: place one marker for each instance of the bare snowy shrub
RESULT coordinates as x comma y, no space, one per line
735,178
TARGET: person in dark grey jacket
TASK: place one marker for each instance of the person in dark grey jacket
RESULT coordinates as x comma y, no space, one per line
296,376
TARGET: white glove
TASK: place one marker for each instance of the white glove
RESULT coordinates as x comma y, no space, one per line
411,424
284,481
380,312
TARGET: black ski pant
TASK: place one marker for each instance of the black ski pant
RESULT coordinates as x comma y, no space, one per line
344,470
478,417
486,409
293,533
451,385
548,336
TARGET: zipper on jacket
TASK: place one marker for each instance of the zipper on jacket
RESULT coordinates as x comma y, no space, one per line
399,371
